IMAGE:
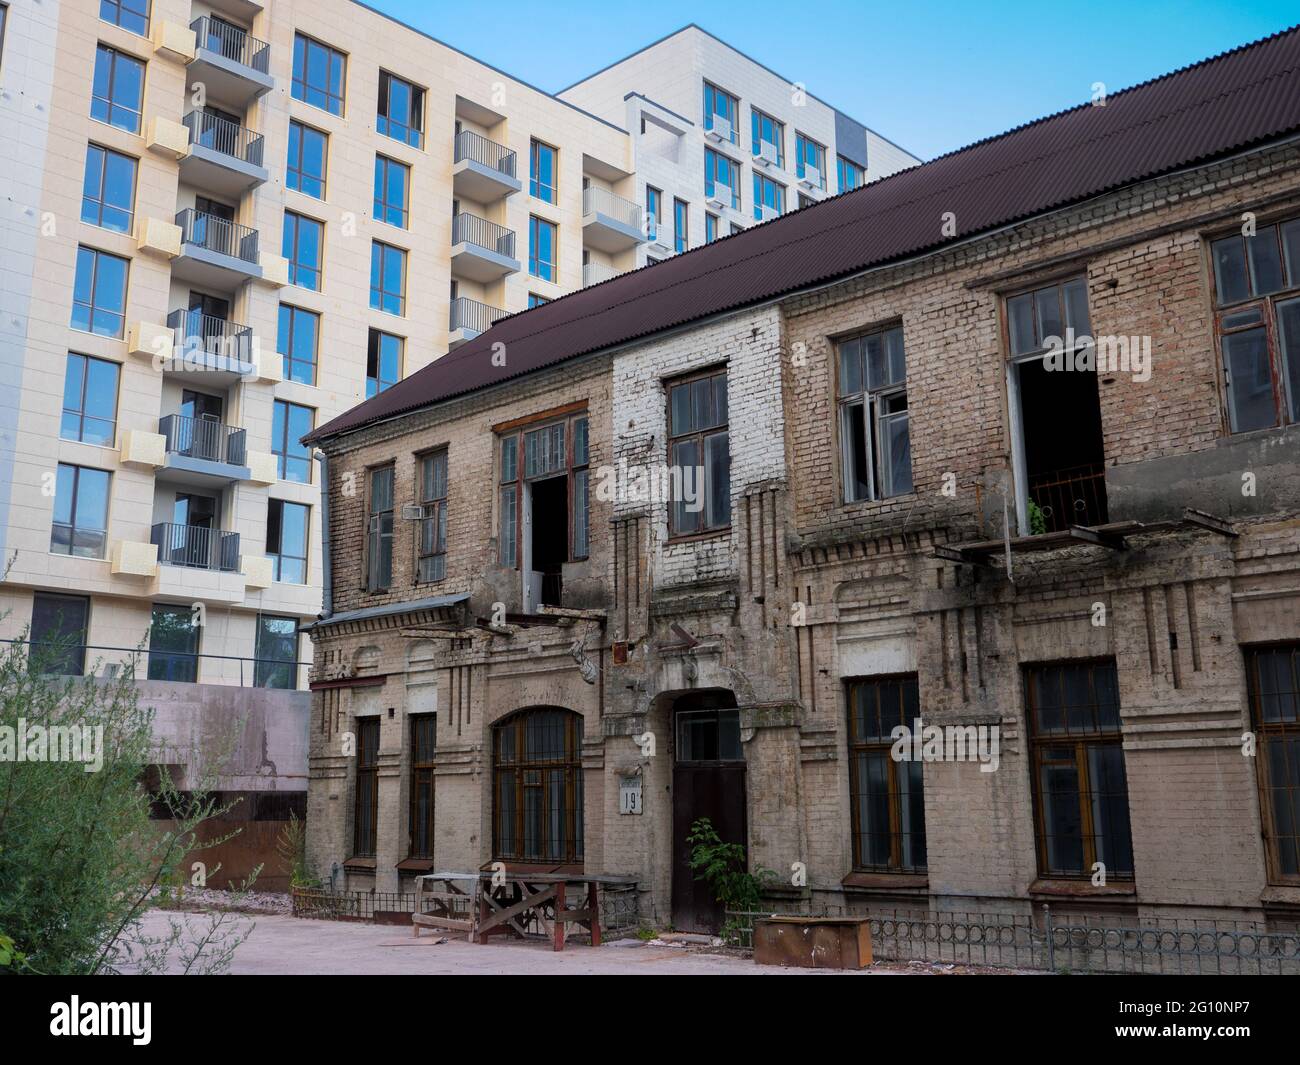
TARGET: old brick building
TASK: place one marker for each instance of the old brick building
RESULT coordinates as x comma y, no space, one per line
1005,443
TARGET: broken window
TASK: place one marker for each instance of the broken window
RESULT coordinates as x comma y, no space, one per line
366,810
886,795
379,546
699,454
875,439
432,562
1079,782
537,787
423,737
1273,679
1256,280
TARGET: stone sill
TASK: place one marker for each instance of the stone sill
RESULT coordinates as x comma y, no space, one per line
887,882
1081,889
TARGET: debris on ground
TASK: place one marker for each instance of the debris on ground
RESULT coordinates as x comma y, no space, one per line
191,899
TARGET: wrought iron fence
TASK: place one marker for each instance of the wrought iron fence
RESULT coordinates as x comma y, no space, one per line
218,234
1070,943
471,229
473,315
222,135
230,42
1076,496
478,149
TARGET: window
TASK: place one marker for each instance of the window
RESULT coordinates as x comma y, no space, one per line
681,226
431,565
850,175
90,400
1037,319
699,453
707,735
541,249
276,652
534,300
711,231
318,72
58,634
80,512
1273,683
287,526
550,453
769,197
1080,790
383,362
108,189
4,17
401,110
537,787
290,422
117,94
174,644
99,293
721,179
387,278
307,153
296,340
1257,287
810,161
366,813
721,113
768,137
392,196
654,211
379,544
131,15
303,247
886,796
424,733
875,444
543,171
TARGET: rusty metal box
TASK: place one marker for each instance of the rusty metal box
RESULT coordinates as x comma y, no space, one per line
813,942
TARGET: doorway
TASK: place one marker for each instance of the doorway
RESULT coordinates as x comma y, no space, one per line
201,428
546,541
194,529
708,781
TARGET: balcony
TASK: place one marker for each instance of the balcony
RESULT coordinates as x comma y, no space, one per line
483,171
610,223
223,157
232,64
196,547
211,351
215,252
202,451
469,318
481,250
595,273
1069,497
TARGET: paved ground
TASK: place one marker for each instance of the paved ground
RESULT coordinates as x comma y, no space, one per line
281,945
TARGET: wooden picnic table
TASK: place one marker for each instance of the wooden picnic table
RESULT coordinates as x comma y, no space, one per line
489,902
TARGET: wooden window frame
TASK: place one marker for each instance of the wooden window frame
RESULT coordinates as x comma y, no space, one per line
366,783
368,582
1267,732
433,515
422,779
700,436
571,847
870,401
518,431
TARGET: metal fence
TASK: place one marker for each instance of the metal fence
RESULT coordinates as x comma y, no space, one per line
1070,943
224,136
471,229
230,42
478,149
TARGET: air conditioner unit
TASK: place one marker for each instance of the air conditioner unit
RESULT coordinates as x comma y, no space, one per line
721,196
812,178
767,154
412,512
720,130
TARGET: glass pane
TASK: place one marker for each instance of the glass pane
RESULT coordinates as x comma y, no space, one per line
894,356
1288,328
1230,280
896,457
1062,825
1110,824
877,370
857,474
1047,307
1265,261
850,367
679,400
1076,307
717,459
688,510
1291,251
1250,381
1020,324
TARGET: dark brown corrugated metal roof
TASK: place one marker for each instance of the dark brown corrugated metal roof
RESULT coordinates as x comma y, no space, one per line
1213,108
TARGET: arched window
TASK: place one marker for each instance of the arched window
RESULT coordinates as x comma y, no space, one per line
537,787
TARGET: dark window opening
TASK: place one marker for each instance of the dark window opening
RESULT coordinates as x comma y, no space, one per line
423,741
366,813
550,540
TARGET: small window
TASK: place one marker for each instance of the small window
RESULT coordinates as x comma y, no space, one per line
534,300
654,200
307,154
290,422
131,15
875,438
431,565
383,362
99,293
810,161
1039,319
401,110
699,451
90,400
850,175
424,731
721,113
287,527
296,340
365,825
80,524
721,179
60,624
543,172
387,278
711,230
117,94
108,189
303,247
174,644
542,242
681,225
276,651
1273,684
379,530
318,73
557,449
768,137
392,192
769,198
707,736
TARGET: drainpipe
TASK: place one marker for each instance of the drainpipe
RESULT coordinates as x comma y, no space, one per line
327,584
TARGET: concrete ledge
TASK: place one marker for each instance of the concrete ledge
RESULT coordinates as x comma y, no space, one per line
143,449
275,270
168,138
258,571
157,237
149,340
171,40
130,558
261,467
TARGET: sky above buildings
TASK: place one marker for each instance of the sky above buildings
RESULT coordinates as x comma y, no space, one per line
931,75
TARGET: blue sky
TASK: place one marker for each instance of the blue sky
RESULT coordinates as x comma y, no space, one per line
930,75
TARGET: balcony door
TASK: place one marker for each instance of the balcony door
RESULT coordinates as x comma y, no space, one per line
202,429
218,130
208,318
195,518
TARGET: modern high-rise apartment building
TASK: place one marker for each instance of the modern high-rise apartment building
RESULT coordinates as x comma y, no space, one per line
229,221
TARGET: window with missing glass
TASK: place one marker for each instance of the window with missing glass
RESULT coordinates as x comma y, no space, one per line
290,422
60,624
543,172
699,453
131,15
117,89
401,110
554,452
276,652
424,735
383,361
108,189
875,440
379,530
90,400
303,245
297,337
80,525
431,559
365,814
318,73
174,644
387,278
1273,686
307,154
886,795
392,192
99,293
537,787
721,113
1080,788
1257,295
287,528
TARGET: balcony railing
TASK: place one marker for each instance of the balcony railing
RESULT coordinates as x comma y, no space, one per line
595,273
224,136
196,547
218,234
470,314
196,331
1075,496
596,200
232,43
478,149
471,229
203,438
